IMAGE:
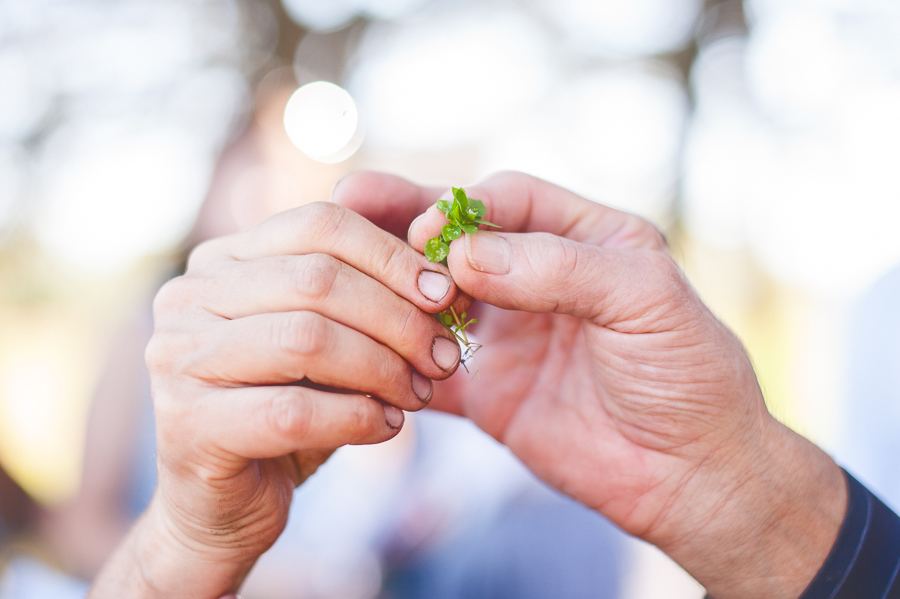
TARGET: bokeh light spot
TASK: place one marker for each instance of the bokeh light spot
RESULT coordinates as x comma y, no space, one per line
322,120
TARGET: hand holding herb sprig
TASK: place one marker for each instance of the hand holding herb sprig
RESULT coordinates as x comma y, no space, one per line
464,215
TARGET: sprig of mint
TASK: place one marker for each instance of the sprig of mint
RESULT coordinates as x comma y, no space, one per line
463,215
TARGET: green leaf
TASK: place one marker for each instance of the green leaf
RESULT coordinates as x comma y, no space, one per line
470,229
436,250
460,195
451,232
484,222
455,216
444,206
446,319
476,208
473,321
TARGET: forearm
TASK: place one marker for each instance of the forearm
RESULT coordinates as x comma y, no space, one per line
776,518
152,562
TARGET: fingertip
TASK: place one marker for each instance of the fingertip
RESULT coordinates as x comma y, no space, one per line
393,416
424,227
412,228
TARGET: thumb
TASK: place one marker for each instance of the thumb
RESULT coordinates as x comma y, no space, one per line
633,290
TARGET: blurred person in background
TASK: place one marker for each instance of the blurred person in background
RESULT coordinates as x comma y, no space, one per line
24,554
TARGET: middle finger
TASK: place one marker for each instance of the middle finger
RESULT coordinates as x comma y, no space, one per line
323,284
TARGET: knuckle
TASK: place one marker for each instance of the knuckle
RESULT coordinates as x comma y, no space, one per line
363,420
171,298
318,220
303,333
169,358
641,233
169,413
393,256
410,327
314,275
156,356
663,269
288,415
205,252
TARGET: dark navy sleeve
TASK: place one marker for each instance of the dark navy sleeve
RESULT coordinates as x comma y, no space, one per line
864,562
865,559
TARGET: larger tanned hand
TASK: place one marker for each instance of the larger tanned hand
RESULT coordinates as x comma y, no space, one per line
600,368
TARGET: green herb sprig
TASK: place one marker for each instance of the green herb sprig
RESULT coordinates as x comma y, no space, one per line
463,215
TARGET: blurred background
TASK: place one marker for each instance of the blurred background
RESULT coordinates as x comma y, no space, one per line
763,136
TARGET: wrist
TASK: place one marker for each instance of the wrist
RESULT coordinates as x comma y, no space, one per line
775,513
156,561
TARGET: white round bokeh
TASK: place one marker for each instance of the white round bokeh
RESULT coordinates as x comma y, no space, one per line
322,120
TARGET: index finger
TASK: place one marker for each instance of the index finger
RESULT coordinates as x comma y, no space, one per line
520,203
326,228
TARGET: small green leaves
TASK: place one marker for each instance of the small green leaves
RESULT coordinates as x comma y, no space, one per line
459,195
451,232
436,250
464,215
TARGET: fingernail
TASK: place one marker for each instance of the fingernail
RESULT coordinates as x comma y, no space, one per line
394,416
433,285
445,353
488,252
422,386
333,192
411,226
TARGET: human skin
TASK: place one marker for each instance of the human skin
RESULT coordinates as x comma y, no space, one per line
607,376
317,294
601,370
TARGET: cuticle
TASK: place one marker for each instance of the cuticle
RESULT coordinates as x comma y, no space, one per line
425,400
458,351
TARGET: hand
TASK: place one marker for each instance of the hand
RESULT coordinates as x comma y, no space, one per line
317,294
607,376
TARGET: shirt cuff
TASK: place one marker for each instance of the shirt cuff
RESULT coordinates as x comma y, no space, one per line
865,558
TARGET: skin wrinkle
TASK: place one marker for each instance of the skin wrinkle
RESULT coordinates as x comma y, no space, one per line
313,276
388,261
570,270
323,223
771,525
664,517
289,417
408,329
